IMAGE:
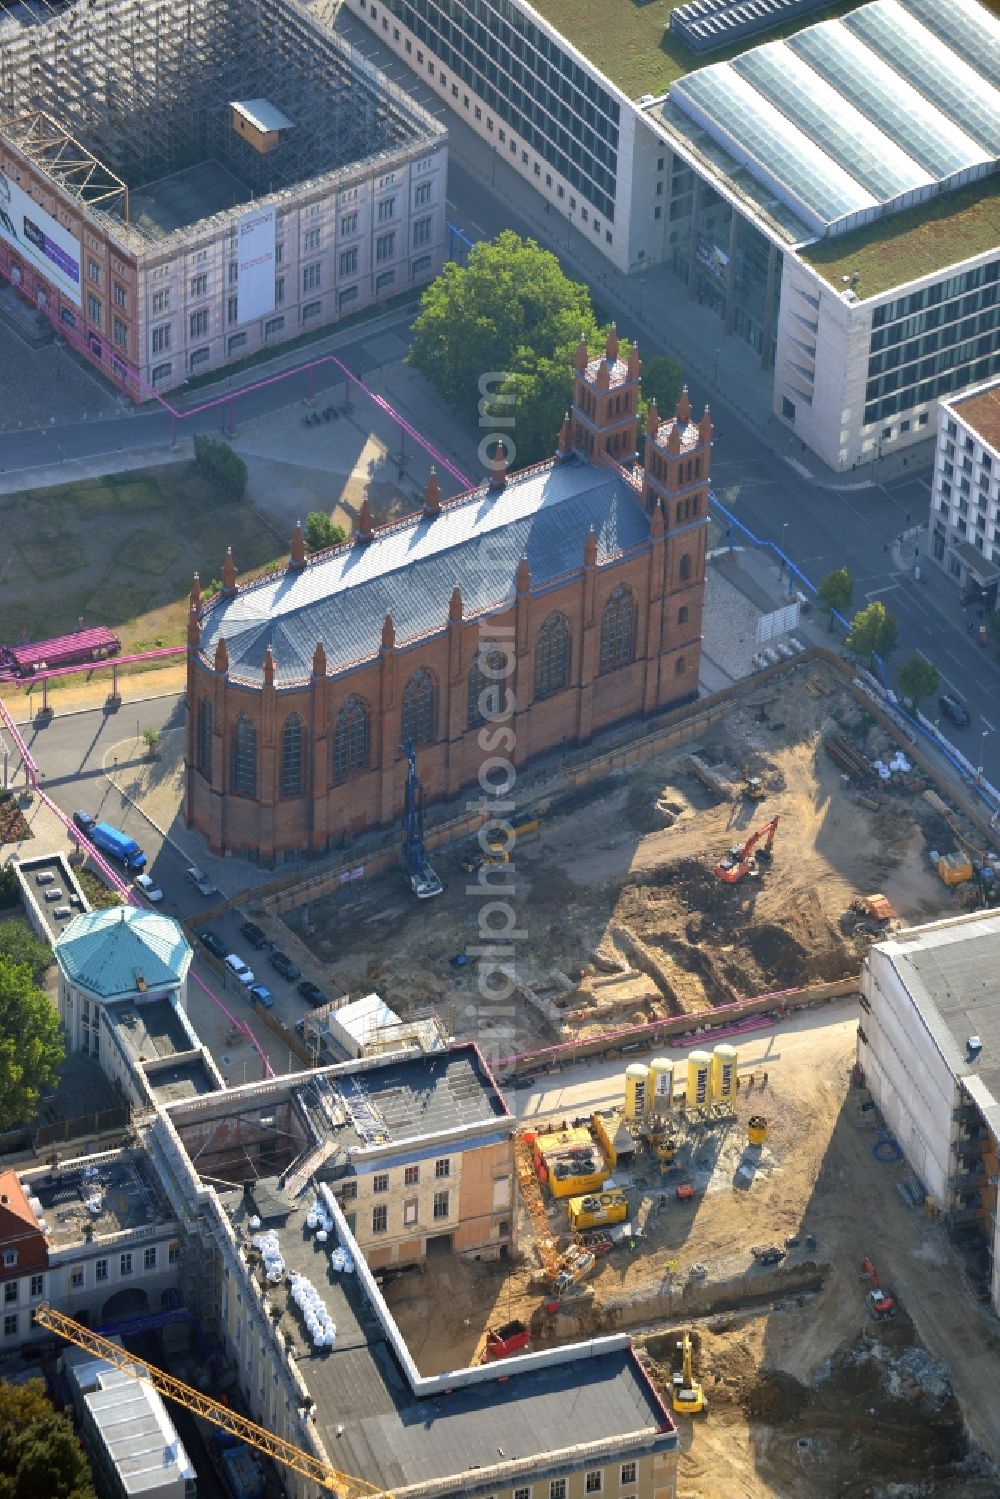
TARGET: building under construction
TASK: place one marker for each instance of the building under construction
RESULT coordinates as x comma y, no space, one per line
183,182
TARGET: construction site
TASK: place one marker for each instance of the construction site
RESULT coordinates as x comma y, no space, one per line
196,159
728,1194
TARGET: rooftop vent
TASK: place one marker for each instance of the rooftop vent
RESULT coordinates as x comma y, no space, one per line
974,1046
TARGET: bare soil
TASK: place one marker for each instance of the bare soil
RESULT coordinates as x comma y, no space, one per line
808,1396
619,915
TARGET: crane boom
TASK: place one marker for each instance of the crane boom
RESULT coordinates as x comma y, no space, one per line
208,1408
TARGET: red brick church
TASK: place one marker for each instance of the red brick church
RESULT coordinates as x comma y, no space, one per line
589,569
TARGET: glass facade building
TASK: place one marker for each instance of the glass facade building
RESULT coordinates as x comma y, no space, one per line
934,342
532,85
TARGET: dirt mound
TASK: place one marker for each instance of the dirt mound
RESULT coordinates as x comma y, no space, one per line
778,955
774,1396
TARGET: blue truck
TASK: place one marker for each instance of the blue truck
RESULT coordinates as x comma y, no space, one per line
118,844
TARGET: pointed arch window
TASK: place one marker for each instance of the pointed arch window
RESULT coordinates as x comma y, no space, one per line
245,756
552,656
292,758
351,740
685,567
205,738
618,629
419,705
486,688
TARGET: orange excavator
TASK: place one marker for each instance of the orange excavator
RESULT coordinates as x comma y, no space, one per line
881,1305
746,859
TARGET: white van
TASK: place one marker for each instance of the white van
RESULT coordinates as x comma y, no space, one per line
239,969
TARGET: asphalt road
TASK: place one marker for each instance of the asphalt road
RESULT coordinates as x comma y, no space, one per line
819,528
75,753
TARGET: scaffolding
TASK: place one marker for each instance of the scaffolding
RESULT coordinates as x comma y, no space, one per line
108,96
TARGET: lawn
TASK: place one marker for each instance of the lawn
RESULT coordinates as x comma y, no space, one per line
897,249
631,44
121,551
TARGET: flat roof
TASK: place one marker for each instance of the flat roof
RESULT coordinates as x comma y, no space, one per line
855,118
903,247
149,1029
133,1425
63,879
639,53
367,1415
124,1191
190,1079
980,410
186,197
949,970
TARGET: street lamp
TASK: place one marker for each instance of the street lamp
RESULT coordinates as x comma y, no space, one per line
781,548
715,378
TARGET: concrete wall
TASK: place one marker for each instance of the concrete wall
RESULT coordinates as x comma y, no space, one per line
908,1077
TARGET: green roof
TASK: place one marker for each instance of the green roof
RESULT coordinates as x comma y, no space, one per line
902,247
631,42
108,952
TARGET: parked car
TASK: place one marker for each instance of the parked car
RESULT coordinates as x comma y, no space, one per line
283,963
111,840
953,708
84,821
213,942
310,992
201,881
239,970
148,887
254,934
261,995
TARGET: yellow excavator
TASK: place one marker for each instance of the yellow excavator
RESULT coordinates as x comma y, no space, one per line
687,1395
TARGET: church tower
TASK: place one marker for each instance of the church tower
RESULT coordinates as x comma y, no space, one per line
605,402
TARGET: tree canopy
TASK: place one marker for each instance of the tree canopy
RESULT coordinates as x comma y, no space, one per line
497,338
873,631
31,1044
322,532
662,378
19,943
918,678
835,592
39,1451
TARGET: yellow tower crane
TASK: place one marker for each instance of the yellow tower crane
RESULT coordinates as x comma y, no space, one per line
208,1408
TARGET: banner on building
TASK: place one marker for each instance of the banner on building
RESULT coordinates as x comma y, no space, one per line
39,240
255,249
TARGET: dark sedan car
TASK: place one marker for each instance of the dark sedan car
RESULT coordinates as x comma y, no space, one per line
84,821
953,708
254,935
214,943
311,993
283,963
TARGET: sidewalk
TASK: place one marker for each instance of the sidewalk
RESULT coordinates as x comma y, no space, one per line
83,696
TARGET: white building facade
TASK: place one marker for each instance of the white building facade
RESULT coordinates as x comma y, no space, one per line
965,494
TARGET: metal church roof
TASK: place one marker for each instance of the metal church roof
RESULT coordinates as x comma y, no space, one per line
108,952
409,570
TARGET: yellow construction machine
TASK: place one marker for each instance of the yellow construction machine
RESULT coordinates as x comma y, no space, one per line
687,1395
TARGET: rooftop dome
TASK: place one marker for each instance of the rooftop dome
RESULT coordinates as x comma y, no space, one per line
123,951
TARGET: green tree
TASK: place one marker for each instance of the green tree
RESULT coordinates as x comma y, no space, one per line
152,739
918,678
18,944
835,592
662,377
39,1451
223,469
873,631
321,531
10,890
497,337
31,1044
